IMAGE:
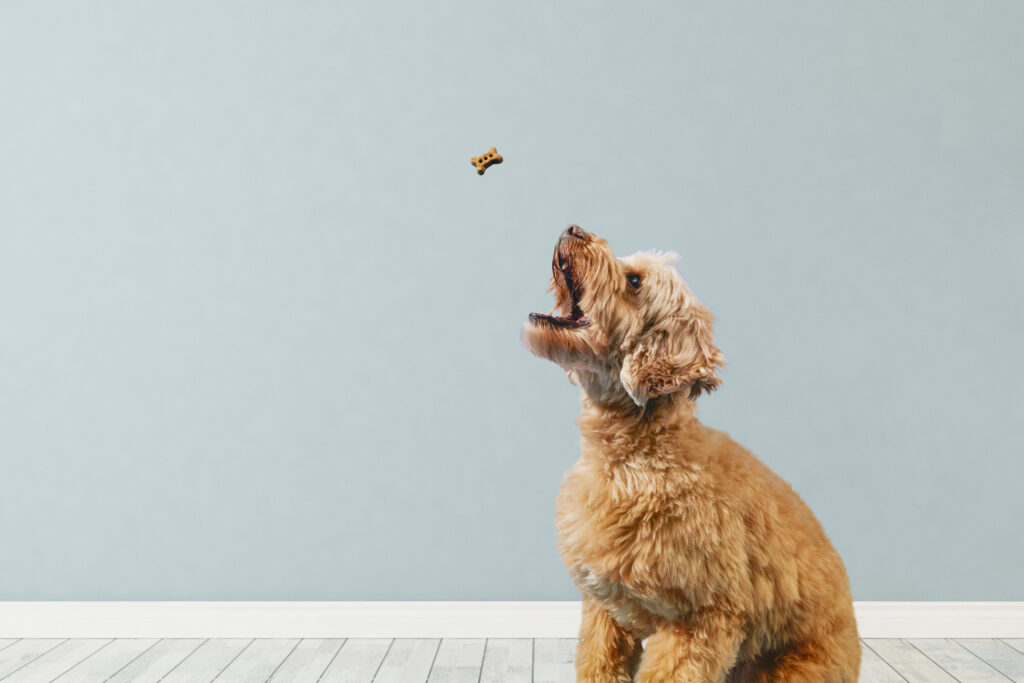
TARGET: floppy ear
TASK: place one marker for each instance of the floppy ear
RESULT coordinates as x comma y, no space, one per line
679,356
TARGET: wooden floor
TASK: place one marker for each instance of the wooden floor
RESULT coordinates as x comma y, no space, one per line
447,661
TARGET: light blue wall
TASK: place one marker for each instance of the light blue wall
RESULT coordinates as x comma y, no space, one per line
259,317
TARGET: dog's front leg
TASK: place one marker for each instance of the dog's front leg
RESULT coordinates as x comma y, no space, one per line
606,652
704,650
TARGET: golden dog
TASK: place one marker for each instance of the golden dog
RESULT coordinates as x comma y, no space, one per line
671,530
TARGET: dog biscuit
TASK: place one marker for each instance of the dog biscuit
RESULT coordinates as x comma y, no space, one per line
484,161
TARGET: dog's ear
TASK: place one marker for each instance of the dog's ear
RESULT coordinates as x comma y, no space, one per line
680,355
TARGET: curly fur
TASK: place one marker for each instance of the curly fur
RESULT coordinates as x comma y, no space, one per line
672,531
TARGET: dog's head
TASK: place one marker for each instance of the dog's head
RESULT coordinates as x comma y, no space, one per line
628,326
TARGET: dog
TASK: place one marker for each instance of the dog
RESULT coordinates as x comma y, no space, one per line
672,531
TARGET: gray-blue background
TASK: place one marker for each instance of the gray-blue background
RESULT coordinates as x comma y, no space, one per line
259,317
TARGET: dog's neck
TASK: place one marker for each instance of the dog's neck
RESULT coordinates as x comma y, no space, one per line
604,393
613,419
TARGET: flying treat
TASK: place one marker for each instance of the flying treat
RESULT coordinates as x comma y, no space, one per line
483,162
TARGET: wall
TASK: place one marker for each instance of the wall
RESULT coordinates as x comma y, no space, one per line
260,317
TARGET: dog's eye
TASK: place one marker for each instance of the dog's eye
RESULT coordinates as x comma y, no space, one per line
634,280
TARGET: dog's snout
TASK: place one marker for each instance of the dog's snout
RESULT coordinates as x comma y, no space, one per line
574,232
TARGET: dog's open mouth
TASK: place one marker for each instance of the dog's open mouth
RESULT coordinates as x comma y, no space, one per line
574,287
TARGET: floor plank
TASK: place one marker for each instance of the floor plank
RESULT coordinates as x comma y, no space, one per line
553,660
6,642
207,661
458,661
408,660
357,660
999,655
155,663
873,669
18,654
258,661
508,660
958,661
908,661
56,661
308,661
107,661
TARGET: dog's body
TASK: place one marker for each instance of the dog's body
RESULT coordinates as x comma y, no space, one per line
671,530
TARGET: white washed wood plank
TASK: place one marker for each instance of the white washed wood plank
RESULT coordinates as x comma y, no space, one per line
258,661
910,662
874,669
357,660
153,664
958,661
308,661
17,655
998,655
58,660
553,660
107,661
5,642
458,661
207,661
508,660
408,661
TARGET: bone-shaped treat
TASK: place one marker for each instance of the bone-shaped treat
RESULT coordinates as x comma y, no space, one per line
482,162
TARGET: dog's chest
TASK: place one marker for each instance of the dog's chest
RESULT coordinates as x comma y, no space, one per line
611,530
638,612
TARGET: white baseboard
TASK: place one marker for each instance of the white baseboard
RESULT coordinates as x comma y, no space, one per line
434,619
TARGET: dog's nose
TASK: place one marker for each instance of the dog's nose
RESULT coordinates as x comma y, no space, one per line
574,232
